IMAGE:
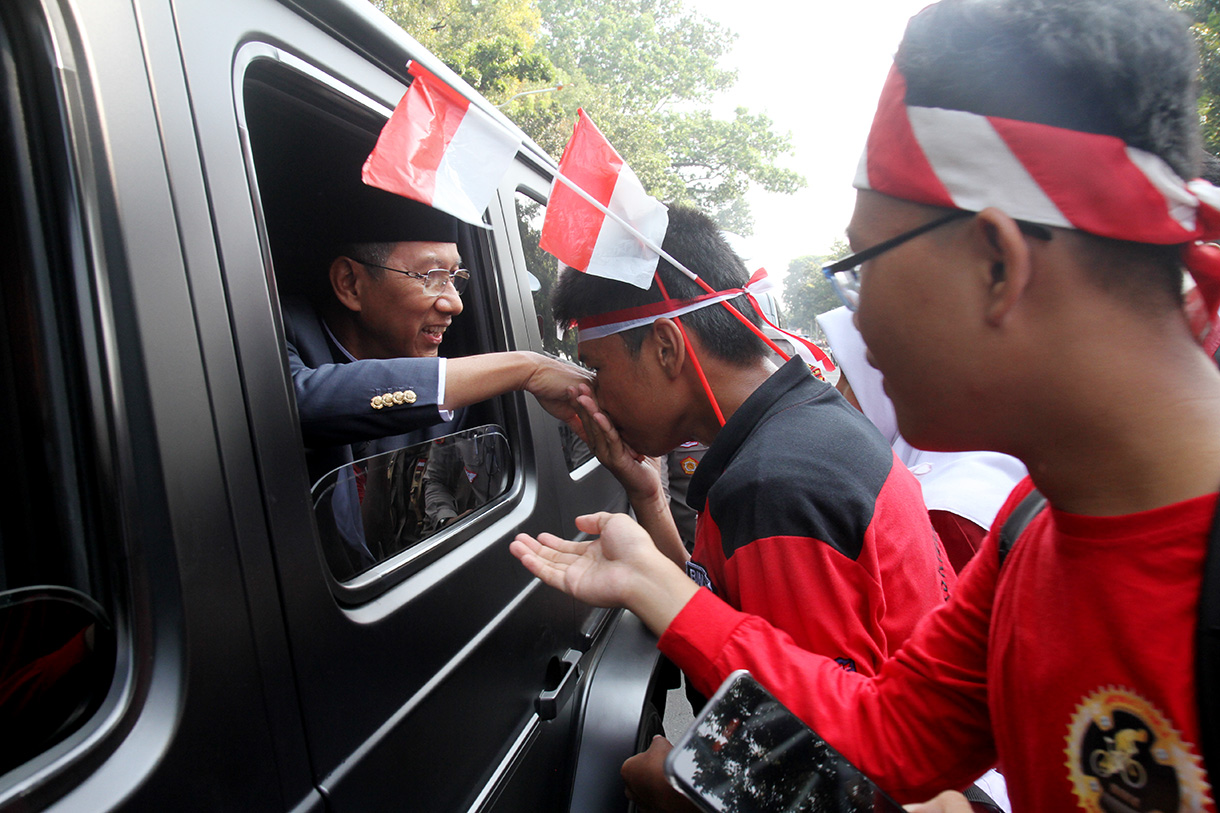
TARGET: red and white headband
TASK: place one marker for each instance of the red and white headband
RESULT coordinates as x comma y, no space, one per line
1048,175
607,324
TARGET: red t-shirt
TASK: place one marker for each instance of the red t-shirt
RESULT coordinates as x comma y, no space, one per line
1074,665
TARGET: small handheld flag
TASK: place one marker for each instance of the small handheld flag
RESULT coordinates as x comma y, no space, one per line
439,150
582,235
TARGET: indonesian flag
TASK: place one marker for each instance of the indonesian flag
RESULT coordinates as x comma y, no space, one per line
439,150
585,237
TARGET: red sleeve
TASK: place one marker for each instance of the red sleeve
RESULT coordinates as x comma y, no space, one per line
917,728
829,603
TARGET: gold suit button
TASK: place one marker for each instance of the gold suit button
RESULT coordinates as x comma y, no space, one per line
409,396
376,402
398,397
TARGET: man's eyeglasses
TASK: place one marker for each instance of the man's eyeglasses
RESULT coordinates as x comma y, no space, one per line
844,274
435,280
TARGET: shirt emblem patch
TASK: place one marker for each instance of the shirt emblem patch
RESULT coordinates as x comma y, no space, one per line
698,574
1122,754
689,464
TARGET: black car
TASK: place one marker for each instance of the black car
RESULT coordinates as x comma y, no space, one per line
172,634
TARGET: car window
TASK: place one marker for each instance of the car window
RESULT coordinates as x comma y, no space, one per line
57,640
556,339
376,507
308,141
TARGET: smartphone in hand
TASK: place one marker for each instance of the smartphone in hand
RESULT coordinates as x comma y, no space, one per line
747,753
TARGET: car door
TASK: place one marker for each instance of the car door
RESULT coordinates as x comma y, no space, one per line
420,678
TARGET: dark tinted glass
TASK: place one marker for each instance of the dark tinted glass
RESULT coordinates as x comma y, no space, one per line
375,508
544,270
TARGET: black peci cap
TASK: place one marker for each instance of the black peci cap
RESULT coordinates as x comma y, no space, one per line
315,204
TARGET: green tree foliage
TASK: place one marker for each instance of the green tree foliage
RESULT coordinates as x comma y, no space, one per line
644,70
1205,15
492,44
807,292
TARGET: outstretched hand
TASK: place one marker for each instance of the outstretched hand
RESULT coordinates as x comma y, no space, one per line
637,473
599,571
620,568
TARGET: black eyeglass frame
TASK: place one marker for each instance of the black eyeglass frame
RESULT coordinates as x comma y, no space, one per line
849,291
458,279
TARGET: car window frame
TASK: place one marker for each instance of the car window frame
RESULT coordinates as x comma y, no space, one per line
491,334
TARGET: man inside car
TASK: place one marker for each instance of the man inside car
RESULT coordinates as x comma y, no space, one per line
365,351
364,354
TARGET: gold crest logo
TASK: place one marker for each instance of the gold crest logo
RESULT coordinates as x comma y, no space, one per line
1122,754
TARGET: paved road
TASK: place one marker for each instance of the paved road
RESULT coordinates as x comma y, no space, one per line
678,715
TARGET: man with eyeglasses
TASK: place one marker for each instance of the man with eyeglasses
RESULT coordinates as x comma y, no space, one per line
1072,660
365,359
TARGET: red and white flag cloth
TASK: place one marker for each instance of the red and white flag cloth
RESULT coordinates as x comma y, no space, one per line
584,237
440,150
1043,174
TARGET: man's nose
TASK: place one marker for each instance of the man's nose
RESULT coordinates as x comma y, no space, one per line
448,301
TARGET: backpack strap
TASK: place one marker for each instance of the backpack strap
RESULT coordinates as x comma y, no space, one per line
1207,656
1018,520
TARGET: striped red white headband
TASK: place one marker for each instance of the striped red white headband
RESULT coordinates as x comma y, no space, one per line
1049,175
607,324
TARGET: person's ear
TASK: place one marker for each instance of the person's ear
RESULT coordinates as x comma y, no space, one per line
668,346
345,282
1006,262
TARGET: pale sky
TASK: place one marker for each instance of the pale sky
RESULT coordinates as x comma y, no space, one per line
816,68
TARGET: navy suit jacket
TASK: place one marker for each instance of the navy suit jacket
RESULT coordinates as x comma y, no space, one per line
344,411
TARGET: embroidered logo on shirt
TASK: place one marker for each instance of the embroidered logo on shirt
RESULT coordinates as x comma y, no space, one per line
698,574
689,464
1122,754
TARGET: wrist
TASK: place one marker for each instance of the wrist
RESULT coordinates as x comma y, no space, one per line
529,363
646,498
660,593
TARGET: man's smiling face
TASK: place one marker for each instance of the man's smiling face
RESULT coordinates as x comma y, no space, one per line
397,317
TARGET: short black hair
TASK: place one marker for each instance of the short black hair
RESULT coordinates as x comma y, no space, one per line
1122,68
694,240
370,255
